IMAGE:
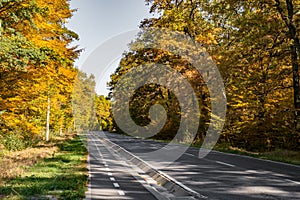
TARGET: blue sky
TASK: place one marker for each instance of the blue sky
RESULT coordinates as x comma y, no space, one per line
97,21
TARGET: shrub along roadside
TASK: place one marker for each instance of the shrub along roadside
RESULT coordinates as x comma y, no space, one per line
62,175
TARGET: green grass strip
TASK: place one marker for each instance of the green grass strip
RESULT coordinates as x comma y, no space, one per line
62,176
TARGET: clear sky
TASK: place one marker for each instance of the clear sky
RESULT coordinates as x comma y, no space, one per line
97,21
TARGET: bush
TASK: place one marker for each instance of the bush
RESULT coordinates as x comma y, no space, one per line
16,141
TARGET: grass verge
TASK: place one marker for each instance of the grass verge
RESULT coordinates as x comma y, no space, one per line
62,175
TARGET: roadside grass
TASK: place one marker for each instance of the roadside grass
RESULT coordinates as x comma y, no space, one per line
62,175
12,163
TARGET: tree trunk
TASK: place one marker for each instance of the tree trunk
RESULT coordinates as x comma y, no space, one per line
289,21
296,86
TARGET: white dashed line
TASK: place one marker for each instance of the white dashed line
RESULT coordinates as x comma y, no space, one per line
109,174
107,169
222,163
190,154
121,193
112,179
116,185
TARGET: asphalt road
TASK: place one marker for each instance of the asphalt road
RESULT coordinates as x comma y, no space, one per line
217,176
111,177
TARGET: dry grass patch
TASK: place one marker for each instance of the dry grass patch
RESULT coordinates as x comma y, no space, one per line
13,164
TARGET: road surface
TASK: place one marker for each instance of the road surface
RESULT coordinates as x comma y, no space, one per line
110,177
217,176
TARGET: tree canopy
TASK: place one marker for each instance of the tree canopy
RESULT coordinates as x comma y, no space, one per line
36,66
255,45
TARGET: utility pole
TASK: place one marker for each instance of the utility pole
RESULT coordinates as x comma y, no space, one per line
48,119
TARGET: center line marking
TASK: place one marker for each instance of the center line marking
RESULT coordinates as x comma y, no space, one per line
112,179
222,163
116,185
189,154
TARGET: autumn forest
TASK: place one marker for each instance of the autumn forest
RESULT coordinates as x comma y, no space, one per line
37,73
255,45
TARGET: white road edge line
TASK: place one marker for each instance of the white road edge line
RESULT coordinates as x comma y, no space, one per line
222,163
292,181
88,194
